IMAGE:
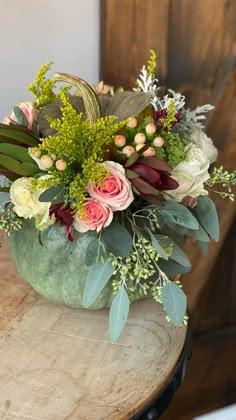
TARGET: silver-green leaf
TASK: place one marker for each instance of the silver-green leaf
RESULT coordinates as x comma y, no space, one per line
118,314
98,276
174,302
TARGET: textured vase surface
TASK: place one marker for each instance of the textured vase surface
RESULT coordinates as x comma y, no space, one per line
54,266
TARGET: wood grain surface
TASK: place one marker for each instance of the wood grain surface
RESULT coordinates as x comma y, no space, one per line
57,363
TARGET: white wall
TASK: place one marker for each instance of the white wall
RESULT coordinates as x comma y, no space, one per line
33,32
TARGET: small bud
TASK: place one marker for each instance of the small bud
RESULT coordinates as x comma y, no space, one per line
46,161
151,128
140,138
139,146
35,152
158,141
149,152
132,122
61,164
120,140
128,150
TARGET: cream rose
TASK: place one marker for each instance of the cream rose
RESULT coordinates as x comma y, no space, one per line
27,205
116,191
199,138
190,174
97,216
30,112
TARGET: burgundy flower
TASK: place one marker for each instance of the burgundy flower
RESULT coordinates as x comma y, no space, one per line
149,176
64,216
161,114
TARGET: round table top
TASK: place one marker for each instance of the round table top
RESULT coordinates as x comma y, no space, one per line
57,363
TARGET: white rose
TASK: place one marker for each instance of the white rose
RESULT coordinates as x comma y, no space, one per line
205,143
27,205
190,174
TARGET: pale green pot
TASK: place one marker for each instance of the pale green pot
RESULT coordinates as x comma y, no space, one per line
54,266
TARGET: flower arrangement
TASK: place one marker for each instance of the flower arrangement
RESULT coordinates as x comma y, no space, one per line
129,167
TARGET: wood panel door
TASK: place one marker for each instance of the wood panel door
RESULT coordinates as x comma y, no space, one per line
195,42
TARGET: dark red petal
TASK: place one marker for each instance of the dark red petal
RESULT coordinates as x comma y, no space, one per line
153,199
156,163
148,174
167,183
143,187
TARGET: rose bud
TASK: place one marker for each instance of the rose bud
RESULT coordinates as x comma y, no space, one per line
120,140
128,150
151,128
158,141
140,138
149,152
46,161
139,146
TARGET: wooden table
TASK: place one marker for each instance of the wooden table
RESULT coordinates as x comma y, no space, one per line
57,363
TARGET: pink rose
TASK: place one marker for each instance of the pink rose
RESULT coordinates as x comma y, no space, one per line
116,191
29,110
97,216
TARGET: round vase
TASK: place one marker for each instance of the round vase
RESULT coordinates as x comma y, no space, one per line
54,266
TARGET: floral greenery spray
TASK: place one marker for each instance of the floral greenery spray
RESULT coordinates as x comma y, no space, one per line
131,168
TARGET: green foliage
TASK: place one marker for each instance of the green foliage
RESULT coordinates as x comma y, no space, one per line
170,118
9,221
55,193
174,302
42,88
226,179
173,150
152,64
95,252
98,276
206,213
20,116
118,314
177,213
118,239
82,145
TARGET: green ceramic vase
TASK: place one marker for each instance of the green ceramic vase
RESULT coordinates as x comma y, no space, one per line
54,266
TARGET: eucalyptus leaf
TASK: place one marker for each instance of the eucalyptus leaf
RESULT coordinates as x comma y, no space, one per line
206,212
4,197
199,234
118,239
52,193
177,254
20,116
174,302
118,314
94,249
172,268
177,213
156,244
98,276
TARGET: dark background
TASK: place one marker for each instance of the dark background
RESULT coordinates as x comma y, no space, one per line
195,41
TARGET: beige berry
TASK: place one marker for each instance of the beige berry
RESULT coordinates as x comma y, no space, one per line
151,129
140,138
61,164
128,150
139,146
120,140
149,152
158,141
46,161
132,122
